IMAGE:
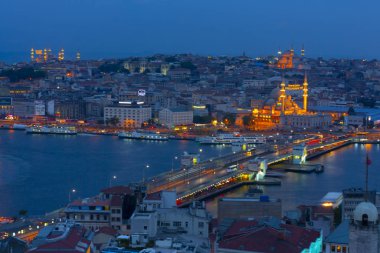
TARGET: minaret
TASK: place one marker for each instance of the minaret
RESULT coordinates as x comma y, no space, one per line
78,56
292,50
61,55
279,52
303,51
45,54
305,92
32,55
282,95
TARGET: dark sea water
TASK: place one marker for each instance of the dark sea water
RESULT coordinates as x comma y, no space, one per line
344,168
37,172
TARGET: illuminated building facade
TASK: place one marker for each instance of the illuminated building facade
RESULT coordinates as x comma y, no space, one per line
130,114
281,110
172,117
286,60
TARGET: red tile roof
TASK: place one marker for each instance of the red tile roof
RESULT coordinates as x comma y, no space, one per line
75,242
246,236
107,230
153,196
94,201
116,201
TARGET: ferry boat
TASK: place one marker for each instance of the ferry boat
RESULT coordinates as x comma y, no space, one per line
63,130
143,136
229,139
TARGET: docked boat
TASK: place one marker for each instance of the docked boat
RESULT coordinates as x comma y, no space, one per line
19,127
229,139
62,130
143,136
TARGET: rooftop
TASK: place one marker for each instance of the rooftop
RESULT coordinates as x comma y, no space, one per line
250,235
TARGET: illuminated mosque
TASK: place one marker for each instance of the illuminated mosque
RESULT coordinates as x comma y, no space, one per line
44,55
280,110
288,60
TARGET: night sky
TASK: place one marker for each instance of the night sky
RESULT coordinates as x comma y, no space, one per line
119,28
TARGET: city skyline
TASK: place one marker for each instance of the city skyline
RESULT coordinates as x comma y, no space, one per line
136,28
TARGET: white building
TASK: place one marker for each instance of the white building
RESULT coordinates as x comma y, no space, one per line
129,114
306,121
255,83
158,214
175,117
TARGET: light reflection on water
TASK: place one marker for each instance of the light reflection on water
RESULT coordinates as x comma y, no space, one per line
38,171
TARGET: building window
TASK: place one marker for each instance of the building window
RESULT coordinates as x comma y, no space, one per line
145,227
332,248
344,249
91,217
177,223
186,224
200,224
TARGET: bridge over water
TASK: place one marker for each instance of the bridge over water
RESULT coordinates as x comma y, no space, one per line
213,176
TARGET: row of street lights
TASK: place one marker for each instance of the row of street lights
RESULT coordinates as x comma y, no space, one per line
114,177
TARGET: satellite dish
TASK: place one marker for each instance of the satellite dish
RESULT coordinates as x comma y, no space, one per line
141,93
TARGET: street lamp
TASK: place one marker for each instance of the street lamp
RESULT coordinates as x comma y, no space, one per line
174,158
113,177
72,191
144,171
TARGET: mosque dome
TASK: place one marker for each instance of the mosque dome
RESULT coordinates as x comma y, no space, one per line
275,93
270,102
366,209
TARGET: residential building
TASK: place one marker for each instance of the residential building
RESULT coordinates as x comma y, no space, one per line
113,207
172,117
62,237
313,121
241,208
267,235
129,114
352,197
338,240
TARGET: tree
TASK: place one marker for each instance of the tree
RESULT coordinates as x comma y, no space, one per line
247,120
170,59
351,111
114,121
202,119
117,67
16,75
188,65
229,119
23,213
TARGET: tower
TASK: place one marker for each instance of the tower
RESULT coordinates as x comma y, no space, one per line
61,55
364,229
305,93
303,51
282,95
78,56
32,54
292,50
45,54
